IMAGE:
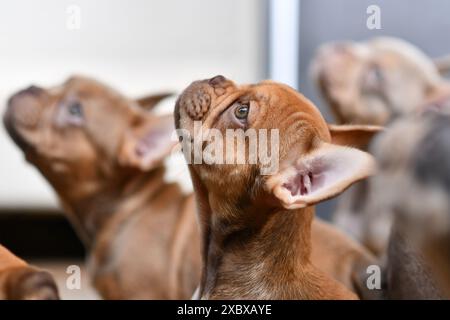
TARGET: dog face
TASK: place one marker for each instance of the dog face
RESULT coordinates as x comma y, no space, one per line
311,168
373,82
80,134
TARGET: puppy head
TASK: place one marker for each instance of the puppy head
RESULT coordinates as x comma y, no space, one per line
82,134
309,166
373,82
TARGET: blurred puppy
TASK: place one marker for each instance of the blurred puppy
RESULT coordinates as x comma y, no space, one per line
103,153
19,281
376,81
413,188
256,229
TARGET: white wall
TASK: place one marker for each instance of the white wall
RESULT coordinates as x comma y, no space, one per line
136,46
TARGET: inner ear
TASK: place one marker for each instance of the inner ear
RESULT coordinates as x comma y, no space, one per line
357,136
147,144
150,102
320,175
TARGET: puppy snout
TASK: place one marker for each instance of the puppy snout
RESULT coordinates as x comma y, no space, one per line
198,105
217,80
25,106
196,100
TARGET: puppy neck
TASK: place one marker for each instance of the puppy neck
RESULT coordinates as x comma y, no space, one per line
257,255
126,194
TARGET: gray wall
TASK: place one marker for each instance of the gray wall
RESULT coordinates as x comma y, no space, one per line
425,23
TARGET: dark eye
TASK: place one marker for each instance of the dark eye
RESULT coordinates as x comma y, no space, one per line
76,110
377,73
241,111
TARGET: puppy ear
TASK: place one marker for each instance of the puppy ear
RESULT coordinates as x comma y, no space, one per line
358,136
319,175
146,145
149,102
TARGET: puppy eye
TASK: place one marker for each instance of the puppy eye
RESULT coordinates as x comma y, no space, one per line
377,73
76,110
241,111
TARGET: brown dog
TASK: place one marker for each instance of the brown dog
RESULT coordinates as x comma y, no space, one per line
102,153
19,281
256,229
129,204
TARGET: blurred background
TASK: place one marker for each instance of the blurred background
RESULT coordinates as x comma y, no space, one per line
140,47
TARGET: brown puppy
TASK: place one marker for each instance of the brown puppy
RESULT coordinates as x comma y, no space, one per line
102,153
256,229
19,281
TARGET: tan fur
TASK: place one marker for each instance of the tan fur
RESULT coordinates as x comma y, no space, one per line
19,281
252,248
140,232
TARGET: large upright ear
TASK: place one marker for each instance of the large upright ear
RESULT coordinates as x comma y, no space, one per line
442,64
319,175
147,144
357,136
149,102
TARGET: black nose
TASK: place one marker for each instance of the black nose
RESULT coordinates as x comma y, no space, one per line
217,80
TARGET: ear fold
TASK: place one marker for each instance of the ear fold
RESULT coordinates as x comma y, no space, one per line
358,136
442,64
320,175
149,102
145,146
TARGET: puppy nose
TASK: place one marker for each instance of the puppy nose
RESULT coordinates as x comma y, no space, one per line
217,80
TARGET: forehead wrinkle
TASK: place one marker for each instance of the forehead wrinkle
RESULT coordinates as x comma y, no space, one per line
220,107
